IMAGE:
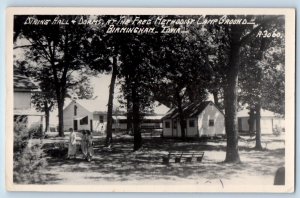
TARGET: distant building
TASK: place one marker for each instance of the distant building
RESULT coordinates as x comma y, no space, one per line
201,119
85,115
92,115
23,111
269,121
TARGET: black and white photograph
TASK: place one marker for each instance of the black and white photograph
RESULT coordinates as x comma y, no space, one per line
155,100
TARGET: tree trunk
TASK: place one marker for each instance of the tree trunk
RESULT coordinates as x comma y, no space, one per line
181,116
108,141
258,128
230,99
216,98
61,118
129,116
47,120
136,120
251,121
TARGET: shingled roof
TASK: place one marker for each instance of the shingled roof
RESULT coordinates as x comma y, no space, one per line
23,82
189,111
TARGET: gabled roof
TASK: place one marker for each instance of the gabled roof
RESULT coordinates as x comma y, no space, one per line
160,109
23,82
190,110
263,113
28,112
100,106
93,105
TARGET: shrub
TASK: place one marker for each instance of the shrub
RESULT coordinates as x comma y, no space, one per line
277,131
36,131
28,156
56,150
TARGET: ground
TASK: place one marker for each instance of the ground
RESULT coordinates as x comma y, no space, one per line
122,165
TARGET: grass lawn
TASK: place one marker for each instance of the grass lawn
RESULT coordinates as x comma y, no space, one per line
121,165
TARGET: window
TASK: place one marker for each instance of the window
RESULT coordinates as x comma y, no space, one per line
101,119
211,123
84,121
75,110
192,123
167,125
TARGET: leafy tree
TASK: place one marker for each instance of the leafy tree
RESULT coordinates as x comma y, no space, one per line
57,48
262,78
182,74
138,75
234,38
125,56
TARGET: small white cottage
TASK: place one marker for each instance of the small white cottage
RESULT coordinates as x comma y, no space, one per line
269,121
202,119
85,115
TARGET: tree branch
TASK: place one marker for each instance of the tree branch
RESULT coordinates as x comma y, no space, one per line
256,29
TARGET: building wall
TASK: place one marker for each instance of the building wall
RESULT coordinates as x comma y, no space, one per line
167,132
36,121
243,124
99,125
201,124
267,124
22,100
211,113
69,117
192,131
189,131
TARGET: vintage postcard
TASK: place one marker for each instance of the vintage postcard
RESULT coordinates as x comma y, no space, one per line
150,100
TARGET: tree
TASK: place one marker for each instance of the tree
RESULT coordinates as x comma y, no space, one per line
261,67
57,48
109,53
234,38
183,74
138,76
239,35
103,53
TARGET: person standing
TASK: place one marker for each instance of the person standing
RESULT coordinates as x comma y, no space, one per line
84,147
72,144
90,149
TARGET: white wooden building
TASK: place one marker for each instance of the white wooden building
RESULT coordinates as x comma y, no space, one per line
23,110
85,115
269,121
92,115
201,119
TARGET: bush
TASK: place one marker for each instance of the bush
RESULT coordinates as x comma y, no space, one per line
36,131
277,131
28,156
56,150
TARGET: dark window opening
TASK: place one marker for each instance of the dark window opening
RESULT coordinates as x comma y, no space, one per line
167,125
192,123
84,121
211,123
75,110
101,119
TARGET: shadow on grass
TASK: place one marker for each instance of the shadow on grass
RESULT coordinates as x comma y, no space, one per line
122,164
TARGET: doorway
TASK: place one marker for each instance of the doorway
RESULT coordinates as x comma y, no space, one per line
75,125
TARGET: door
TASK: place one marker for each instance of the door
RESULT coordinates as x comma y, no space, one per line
75,125
91,125
174,128
240,124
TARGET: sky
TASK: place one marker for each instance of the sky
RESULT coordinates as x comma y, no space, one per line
100,85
